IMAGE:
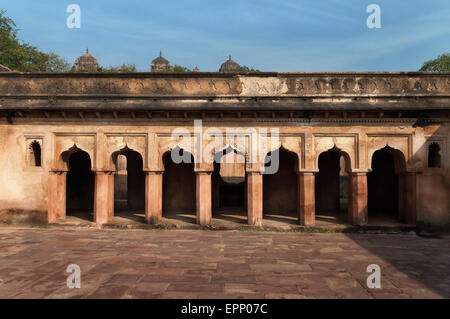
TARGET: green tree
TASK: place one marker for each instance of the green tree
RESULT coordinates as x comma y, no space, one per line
441,64
177,68
23,57
124,68
246,69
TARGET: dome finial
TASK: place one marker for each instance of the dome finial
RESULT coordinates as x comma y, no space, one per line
160,53
229,57
87,51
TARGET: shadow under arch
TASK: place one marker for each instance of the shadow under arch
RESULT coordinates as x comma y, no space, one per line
129,184
280,187
80,183
386,187
229,195
332,186
179,187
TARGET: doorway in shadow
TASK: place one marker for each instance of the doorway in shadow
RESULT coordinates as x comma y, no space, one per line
332,187
384,187
80,186
229,195
179,187
280,189
129,186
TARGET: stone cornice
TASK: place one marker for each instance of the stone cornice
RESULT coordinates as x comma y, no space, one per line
225,91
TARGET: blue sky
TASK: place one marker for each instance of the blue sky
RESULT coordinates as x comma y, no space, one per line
271,35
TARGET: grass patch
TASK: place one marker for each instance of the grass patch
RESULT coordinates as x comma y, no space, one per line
120,227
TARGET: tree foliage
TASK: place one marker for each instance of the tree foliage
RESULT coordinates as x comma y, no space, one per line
23,57
125,68
440,64
177,68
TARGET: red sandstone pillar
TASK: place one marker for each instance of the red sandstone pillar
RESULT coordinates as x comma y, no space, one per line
52,207
307,202
111,196
254,198
410,198
101,201
153,196
56,199
61,199
357,206
203,198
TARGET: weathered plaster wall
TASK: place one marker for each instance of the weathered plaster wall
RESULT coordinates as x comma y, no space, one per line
25,188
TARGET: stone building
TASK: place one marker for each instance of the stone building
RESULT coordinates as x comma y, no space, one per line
159,64
98,143
229,66
86,63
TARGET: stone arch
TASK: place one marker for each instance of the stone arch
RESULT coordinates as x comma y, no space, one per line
229,185
168,147
280,187
388,183
80,183
399,158
344,151
64,157
178,187
112,162
116,144
332,185
129,183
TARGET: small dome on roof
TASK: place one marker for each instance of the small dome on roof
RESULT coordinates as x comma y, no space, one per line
229,66
159,64
86,62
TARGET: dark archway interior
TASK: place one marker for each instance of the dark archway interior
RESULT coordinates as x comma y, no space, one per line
327,182
228,199
280,189
80,184
129,182
331,187
382,184
135,180
179,186
434,156
226,195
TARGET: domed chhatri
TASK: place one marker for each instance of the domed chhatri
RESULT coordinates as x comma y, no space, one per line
159,64
229,66
86,63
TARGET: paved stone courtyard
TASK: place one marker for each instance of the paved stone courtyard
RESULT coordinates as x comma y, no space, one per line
219,264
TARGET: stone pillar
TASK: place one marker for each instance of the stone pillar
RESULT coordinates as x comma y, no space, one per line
306,196
357,208
153,196
254,198
102,197
111,196
56,200
203,198
410,198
